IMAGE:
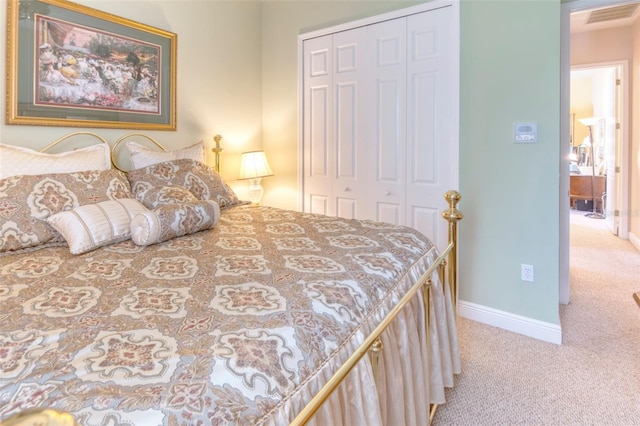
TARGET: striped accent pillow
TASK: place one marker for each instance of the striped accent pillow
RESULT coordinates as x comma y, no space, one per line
88,227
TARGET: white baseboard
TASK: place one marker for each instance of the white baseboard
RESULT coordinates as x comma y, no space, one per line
635,240
540,330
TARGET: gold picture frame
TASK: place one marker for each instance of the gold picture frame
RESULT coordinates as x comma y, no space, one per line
71,65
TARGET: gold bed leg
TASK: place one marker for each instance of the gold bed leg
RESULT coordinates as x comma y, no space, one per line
432,413
374,353
442,269
426,289
453,215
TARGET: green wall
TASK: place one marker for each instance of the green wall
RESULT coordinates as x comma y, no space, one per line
510,68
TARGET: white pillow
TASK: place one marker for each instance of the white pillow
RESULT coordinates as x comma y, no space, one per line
18,161
141,156
88,227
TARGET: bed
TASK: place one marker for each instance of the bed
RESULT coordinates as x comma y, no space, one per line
156,297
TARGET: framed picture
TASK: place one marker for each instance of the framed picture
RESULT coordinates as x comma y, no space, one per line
71,65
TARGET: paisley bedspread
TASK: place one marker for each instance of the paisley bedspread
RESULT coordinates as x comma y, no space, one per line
240,324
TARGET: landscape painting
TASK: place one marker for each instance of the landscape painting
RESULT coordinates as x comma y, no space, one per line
83,68
71,65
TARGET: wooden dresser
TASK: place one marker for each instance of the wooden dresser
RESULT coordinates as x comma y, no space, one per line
580,189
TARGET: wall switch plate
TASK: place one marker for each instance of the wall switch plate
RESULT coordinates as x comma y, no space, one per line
526,272
525,132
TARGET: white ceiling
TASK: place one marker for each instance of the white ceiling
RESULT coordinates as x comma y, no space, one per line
620,15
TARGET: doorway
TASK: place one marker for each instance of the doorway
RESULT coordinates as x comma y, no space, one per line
568,11
598,141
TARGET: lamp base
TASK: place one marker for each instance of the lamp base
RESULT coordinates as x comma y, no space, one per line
255,191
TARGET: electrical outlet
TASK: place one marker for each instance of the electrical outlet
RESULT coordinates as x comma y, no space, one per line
526,272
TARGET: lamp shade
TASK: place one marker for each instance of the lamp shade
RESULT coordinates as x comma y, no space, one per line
253,165
590,121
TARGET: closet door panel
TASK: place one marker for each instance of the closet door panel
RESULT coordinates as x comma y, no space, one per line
346,208
430,119
347,183
318,204
346,124
423,167
389,131
385,145
318,126
389,212
350,181
426,220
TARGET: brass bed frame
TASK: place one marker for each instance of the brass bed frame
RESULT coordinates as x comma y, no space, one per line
446,265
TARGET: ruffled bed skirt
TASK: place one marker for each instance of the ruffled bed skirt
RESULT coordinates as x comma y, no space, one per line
408,381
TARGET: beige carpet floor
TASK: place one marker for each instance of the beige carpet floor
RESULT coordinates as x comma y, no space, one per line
593,378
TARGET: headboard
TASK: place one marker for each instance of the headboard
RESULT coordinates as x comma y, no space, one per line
217,150
71,135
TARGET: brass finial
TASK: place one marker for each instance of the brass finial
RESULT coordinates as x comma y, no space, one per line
217,139
217,150
452,214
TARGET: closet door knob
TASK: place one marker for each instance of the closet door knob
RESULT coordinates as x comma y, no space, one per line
347,189
387,193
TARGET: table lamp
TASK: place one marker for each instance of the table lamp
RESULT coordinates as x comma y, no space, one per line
254,166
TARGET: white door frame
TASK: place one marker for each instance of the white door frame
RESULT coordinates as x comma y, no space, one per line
565,67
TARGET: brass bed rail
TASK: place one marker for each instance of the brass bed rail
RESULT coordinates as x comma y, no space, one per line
71,135
372,342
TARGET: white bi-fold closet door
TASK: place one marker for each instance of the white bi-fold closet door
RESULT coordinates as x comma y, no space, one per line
379,121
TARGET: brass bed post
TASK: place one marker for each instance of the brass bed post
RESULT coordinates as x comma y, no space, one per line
217,151
453,215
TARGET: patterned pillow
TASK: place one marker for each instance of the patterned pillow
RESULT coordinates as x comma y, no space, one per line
88,227
153,197
173,220
27,201
202,181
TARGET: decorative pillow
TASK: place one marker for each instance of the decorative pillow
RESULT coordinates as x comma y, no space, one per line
88,227
154,197
173,220
141,156
19,161
202,181
27,201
